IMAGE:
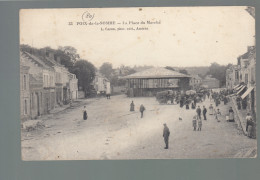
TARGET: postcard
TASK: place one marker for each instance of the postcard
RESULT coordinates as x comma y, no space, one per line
138,83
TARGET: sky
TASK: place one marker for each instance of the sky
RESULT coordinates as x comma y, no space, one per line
185,36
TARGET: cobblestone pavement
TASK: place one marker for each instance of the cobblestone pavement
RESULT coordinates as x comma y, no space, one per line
113,132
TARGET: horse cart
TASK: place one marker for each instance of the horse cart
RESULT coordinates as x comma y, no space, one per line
165,97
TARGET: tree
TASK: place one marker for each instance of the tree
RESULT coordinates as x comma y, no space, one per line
131,71
183,71
170,68
219,72
85,72
106,69
71,52
65,60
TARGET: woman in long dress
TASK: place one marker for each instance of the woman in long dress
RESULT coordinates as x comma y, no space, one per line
192,105
85,115
231,115
211,111
132,106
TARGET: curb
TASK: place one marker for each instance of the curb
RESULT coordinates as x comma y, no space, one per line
239,117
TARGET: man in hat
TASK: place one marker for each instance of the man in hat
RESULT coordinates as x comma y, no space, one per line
198,110
166,134
142,109
204,111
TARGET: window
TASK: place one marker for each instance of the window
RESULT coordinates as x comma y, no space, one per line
246,78
24,82
44,80
25,106
252,74
236,74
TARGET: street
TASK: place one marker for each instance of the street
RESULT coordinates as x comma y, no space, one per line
113,132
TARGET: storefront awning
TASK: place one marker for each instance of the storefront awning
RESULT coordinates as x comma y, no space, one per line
247,92
241,89
236,86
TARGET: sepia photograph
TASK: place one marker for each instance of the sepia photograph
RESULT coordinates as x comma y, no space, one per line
138,83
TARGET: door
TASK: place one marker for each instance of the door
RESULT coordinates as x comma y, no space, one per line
38,104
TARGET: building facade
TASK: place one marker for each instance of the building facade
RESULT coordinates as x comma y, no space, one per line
100,83
73,86
243,81
195,82
43,83
24,92
232,77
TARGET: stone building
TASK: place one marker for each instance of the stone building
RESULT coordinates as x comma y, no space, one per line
232,77
24,92
243,77
100,83
195,82
247,63
43,82
73,86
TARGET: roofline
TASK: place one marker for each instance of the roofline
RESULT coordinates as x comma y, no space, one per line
153,77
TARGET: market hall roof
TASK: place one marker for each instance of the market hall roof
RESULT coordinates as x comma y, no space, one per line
158,72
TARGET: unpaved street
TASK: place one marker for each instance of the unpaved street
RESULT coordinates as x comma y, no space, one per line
113,132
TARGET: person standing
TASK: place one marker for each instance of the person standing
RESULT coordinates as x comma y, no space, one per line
70,102
132,106
238,103
199,124
204,111
195,100
194,122
249,121
198,110
225,100
187,104
108,95
231,115
217,101
166,134
217,114
142,109
192,105
85,115
211,111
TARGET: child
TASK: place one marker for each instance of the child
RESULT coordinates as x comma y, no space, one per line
217,114
199,124
194,122
210,109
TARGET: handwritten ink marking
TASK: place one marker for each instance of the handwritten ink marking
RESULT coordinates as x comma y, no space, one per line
86,16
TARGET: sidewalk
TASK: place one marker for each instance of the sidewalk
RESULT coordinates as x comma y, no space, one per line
240,120
66,106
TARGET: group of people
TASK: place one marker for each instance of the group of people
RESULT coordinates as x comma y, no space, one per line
217,97
186,100
142,108
196,121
